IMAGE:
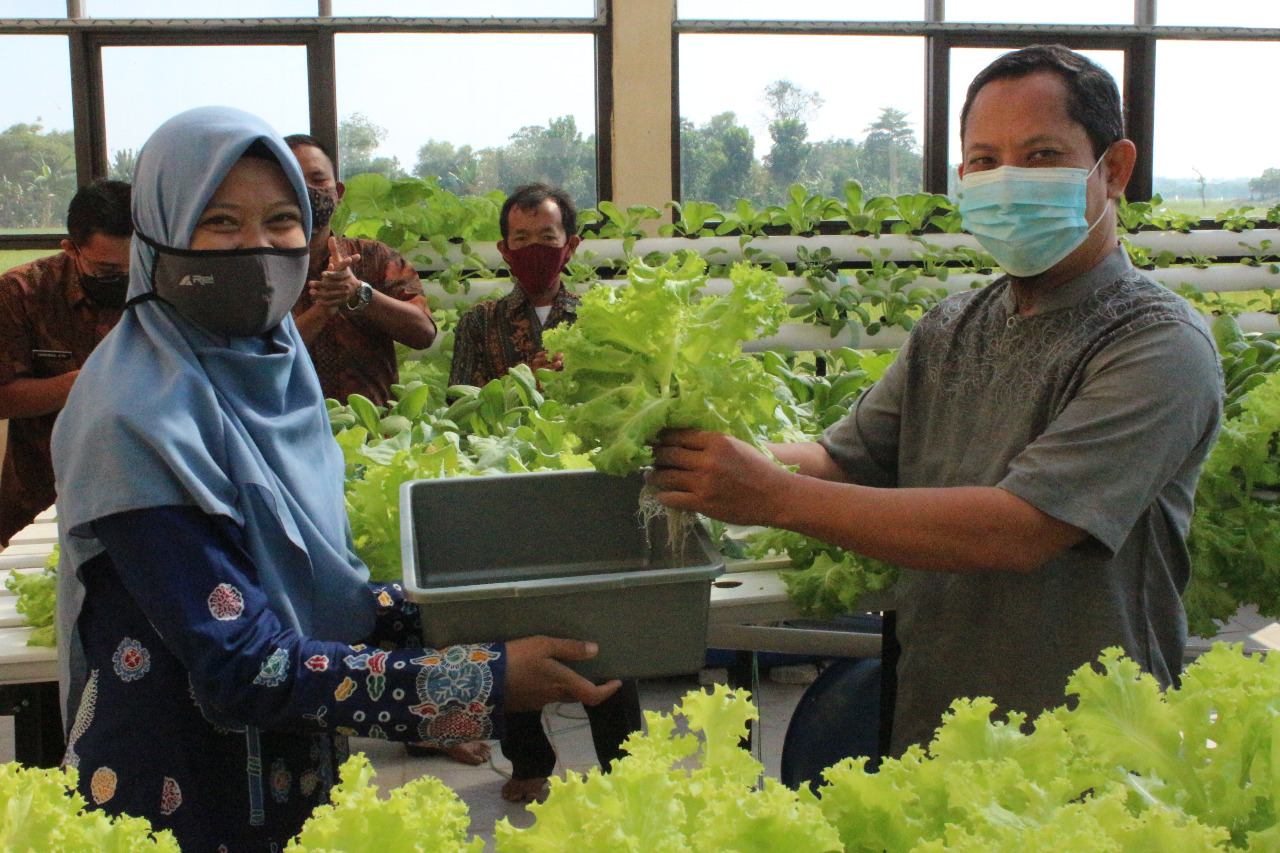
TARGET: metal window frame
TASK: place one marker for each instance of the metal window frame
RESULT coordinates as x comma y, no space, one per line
1137,41
87,37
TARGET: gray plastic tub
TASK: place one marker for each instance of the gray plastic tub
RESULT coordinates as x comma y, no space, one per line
559,553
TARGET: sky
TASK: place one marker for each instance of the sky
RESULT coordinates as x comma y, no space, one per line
478,89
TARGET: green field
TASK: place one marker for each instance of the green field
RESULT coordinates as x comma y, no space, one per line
10,258
1211,207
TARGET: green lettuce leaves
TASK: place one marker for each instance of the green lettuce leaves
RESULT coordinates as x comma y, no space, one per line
41,810
675,791
421,816
657,352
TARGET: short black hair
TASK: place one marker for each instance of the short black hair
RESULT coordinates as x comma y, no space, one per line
1093,101
531,197
297,140
102,207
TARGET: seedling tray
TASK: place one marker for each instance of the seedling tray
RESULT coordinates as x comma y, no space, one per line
558,553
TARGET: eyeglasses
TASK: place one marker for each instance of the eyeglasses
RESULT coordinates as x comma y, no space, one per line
89,266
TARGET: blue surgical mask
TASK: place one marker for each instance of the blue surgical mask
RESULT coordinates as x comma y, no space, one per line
1028,219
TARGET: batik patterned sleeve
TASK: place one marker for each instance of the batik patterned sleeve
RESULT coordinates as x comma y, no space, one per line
246,666
388,271
398,622
15,331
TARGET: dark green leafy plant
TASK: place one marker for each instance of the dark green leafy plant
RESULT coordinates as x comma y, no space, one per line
1146,259
614,222
693,219
814,400
1133,215
744,220
915,211
803,212
946,217
1236,219
864,215
1257,255
818,264
888,287
1235,532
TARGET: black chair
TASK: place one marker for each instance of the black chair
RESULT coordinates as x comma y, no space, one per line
837,717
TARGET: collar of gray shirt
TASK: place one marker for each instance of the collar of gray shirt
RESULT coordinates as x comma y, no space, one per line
1072,292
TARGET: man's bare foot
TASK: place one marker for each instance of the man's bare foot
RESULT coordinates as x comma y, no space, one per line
525,790
471,752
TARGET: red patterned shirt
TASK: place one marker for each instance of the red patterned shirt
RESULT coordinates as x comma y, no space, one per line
48,326
351,354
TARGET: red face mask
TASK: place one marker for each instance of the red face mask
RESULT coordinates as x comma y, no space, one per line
536,267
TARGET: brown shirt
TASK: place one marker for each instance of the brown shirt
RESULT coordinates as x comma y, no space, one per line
495,336
48,326
351,354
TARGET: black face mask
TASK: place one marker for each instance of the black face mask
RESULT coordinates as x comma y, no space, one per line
106,291
232,292
322,206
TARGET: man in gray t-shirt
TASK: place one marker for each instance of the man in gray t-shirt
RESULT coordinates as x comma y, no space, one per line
1031,456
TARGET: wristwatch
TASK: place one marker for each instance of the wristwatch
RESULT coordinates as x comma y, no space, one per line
361,298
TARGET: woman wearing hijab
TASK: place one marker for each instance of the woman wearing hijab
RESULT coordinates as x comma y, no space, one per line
219,638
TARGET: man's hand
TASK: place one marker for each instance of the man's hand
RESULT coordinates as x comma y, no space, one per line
542,361
338,283
30,397
717,475
535,677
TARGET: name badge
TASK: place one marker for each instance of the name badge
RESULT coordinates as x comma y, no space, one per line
55,354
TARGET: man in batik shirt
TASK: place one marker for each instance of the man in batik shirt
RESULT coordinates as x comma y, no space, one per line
539,234
53,312
362,297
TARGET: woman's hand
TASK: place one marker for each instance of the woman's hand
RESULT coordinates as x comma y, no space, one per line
535,675
717,475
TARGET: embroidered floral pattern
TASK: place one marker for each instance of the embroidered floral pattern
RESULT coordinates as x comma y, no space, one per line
131,660
281,779
375,662
225,602
102,786
345,689
439,684
456,723
84,716
385,599
275,669
170,796
318,663
453,687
